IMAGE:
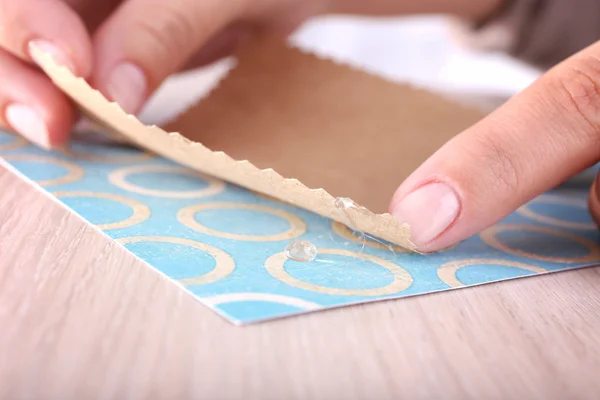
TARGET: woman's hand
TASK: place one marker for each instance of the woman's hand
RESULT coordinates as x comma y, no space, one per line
127,48
124,48
541,137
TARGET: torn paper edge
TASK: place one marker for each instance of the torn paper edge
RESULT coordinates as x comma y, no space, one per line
176,147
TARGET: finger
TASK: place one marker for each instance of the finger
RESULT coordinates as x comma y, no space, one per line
31,105
219,47
594,200
93,12
543,136
52,26
145,41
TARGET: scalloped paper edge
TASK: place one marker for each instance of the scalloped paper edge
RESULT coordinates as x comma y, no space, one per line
194,155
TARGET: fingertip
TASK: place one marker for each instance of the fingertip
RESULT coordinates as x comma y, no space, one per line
144,42
60,119
47,125
76,54
430,210
58,55
127,84
32,106
51,26
57,113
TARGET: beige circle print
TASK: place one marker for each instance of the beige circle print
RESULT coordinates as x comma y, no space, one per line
106,158
187,217
119,179
447,272
17,142
527,212
74,172
275,265
141,212
224,263
490,237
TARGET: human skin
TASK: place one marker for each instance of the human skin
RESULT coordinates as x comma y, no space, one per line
127,48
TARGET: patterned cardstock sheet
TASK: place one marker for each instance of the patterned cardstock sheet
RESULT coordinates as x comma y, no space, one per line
225,245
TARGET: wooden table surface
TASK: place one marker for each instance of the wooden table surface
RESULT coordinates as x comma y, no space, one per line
82,318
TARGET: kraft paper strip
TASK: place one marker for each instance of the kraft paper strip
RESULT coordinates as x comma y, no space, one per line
299,128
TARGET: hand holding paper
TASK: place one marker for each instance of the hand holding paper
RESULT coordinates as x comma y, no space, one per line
540,138
127,48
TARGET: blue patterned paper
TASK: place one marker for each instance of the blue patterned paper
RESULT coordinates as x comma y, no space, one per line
225,244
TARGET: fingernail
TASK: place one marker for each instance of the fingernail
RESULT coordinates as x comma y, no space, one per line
59,56
598,186
429,211
28,123
127,86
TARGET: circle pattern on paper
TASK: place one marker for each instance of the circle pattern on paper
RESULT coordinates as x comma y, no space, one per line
483,270
400,278
225,244
105,153
542,243
220,265
9,142
109,207
46,170
294,226
202,186
563,212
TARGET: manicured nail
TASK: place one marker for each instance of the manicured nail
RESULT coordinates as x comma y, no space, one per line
429,211
28,123
127,86
59,56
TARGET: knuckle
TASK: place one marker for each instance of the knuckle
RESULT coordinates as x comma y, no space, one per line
169,29
151,34
578,87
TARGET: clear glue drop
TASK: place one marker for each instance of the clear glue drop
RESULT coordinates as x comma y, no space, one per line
300,250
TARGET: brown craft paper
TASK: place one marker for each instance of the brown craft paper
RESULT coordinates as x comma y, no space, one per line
311,130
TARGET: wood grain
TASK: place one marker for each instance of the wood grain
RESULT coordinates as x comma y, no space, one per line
82,318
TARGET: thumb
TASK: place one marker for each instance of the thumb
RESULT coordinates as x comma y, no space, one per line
145,41
543,136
